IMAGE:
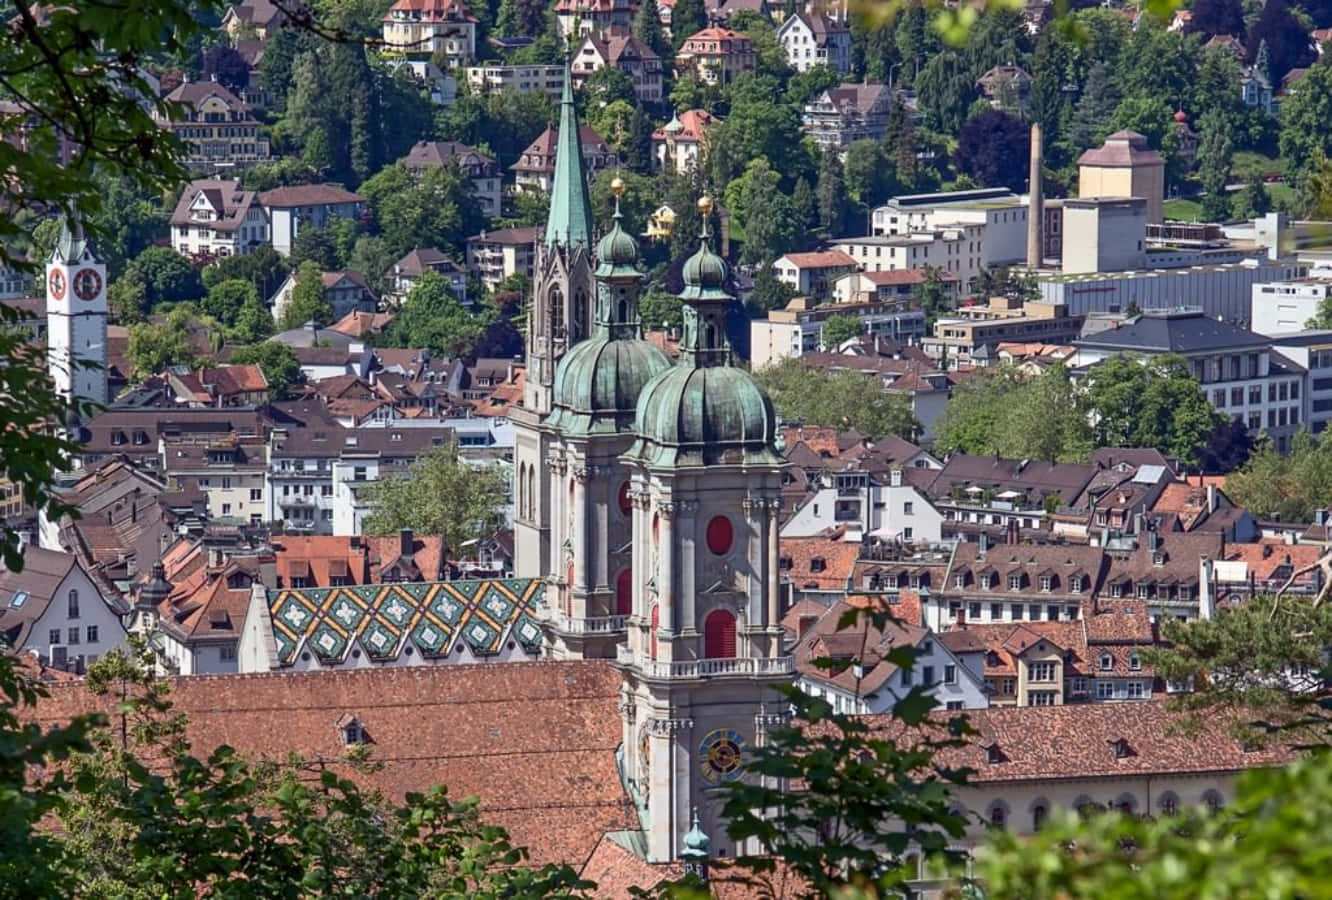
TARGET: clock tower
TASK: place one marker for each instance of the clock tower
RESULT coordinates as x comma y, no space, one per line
704,652
76,313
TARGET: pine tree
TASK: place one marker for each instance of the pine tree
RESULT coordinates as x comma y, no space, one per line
506,19
638,149
804,205
899,141
831,195
1214,159
1100,99
647,28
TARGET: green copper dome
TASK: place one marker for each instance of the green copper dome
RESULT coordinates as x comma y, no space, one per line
598,382
617,252
704,416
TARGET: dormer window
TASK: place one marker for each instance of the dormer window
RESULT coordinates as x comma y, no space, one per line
1046,583
1107,662
960,581
1143,592
1075,584
892,582
993,755
1015,582
352,731
914,581
1117,590
1135,663
1158,559
1121,748
818,564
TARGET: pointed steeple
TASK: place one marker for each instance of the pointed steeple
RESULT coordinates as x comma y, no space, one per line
570,221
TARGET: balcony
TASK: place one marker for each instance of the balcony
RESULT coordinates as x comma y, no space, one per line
590,625
705,668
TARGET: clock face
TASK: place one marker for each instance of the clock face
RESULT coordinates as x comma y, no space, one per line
87,284
719,755
55,284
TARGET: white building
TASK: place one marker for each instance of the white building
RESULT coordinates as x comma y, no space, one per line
1287,306
521,79
798,329
815,39
958,249
1002,214
812,274
306,206
867,507
216,217
439,29
1313,351
76,314
56,612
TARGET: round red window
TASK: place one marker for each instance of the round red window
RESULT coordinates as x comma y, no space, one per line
623,498
720,535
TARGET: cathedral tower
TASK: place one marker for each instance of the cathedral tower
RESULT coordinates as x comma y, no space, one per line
76,312
597,385
704,643
559,316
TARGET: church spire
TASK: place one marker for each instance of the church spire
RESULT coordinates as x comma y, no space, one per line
570,221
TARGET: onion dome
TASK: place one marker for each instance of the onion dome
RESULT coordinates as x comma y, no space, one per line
617,252
1181,117
705,272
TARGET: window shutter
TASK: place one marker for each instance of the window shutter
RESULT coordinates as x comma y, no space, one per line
624,592
719,635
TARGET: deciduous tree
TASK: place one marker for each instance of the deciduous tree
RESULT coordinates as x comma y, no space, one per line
277,361
836,400
309,301
432,317
994,148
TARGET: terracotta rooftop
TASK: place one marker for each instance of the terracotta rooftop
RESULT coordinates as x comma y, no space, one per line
819,563
308,195
824,259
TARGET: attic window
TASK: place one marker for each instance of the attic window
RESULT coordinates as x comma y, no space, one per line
818,564
1015,582
993,755
1158,559
395,436
785,563
117,438
1135,662
20,598
1122,748
892,582
1107,662
352,731
1075,584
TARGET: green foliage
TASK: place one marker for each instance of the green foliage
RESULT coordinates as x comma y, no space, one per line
647,28
127,298
764,212
1285,487
933,297
154,346
309,301
440,494
641,197
869,173
127,223
687,17
167,276
371,257
1152,403
838,329
436,210
432,317
277,361
831,194
994,148
254,322
1215,156
604,87
836,400
760,127
506,121
264,268
1306,123
768,292
1271,841
315,245
659,310
225,299
1007,412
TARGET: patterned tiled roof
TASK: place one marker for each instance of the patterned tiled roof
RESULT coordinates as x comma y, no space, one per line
391,619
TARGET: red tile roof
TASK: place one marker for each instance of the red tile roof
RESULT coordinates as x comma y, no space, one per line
361,560
308,195
822,259
837,556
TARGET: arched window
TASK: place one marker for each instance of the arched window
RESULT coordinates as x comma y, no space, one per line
622,499
719,635
555,309
624,312
1039,813
1169,803
1126,804
710,336
624,592
656,529
531,492
1213,801
522,491
73,604
998,814
652,639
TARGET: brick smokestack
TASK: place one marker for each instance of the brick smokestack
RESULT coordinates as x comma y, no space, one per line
1036,204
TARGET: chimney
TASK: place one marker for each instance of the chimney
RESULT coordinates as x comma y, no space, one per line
1206,588
1211,499
1011,534
895,476
406,543
1035,202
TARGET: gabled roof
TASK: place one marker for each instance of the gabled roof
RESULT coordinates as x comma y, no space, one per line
25,596
823,259
419,261
431,11
228,202
441,153
192,93
308,195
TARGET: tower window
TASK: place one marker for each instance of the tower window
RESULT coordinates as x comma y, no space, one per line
720,535
623,498
624,592
719,635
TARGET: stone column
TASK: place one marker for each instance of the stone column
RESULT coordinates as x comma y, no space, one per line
666,567
774,582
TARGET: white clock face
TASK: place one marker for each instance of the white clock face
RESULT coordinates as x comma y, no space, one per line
55,284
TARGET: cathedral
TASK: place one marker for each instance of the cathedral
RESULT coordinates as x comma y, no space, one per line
647,494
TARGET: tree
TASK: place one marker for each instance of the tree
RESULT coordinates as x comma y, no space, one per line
1009,413
127,297
227,67
647,28
1214,162
1091,118
253,323
167,276
638,155
226,298
277,361
153,347
1306,123
1153,118
1150,403
932,296
804,206
831,194
769,292
659,310
309,301
371,257
1252,200
836,400
869,173
1288,487
127,223
807,86
264,268
436,210
766,214
945,88
605,86
687,18
995,149
760,126
432,317
314,245
640,199
838,329
1223,17
1285,38
440,494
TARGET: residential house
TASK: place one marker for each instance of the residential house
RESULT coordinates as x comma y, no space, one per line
362,324
583,17
959,249
133,433
717,55
228,470
536,166
219,386
866,504
1162,570
848,113
864,679
1006,87
329,562
346,291
617,48
493,256
480,169
518,78
195,609
812,39
407,271
56,612
798,329
439,29
306,206
368,454
1191,507
818,568
895,285
1255,89
1116,501
679,145
1240,373
216,126
252,18
215,217
971,336
812,273
323,352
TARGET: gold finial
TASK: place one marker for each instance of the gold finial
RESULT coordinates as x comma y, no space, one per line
705,205
617,186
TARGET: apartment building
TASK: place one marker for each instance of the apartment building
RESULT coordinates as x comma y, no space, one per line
1313,351
440,29
1287,306
535,168
1002,214
493,256
970,336
798,329
217,127
680,144
306,206
851,112
717,55
482,170
617,48
228,470
521,79
583,17
959,249
812,39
